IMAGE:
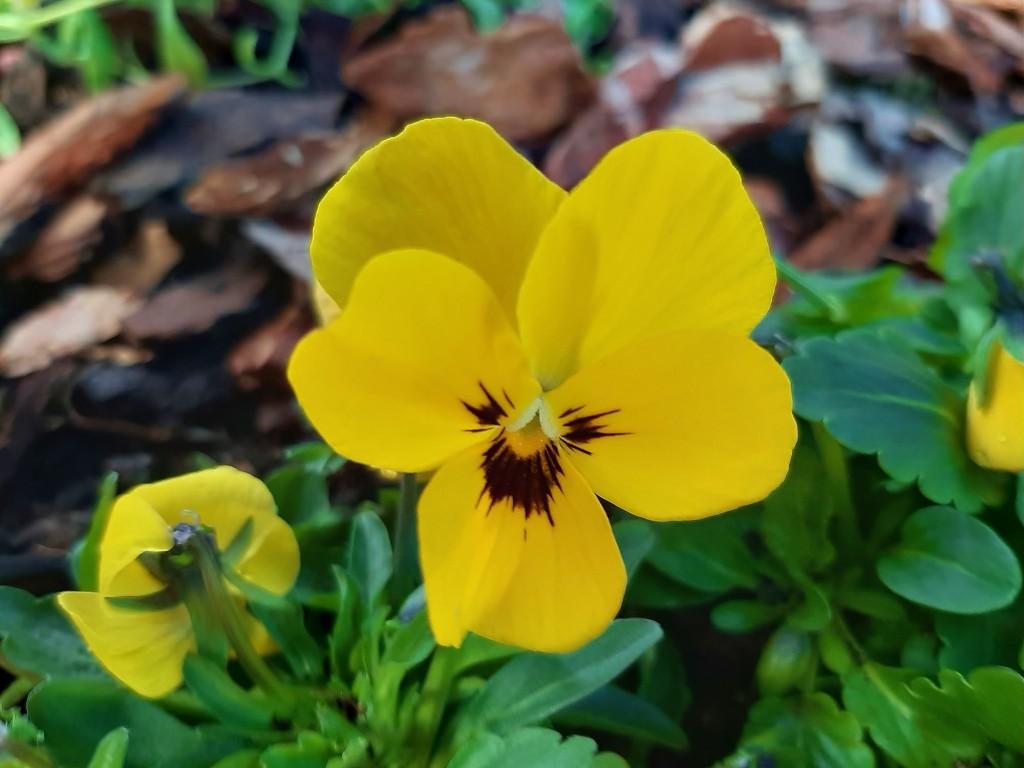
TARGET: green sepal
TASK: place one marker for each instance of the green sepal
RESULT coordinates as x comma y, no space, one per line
85,557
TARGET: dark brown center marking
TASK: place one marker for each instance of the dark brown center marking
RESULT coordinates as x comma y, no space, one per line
529,482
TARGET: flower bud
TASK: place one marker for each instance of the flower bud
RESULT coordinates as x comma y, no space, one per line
995,422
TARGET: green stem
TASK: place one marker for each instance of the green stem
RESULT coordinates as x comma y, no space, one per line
16,691
406,558
430,709
17,25
23,753
224,608
848,533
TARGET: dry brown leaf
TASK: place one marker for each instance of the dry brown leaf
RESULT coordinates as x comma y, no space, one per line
194,305
995,28
264,355
65,152
286,172
999,5
861,38
930,32
65,243
726,34
855,238
145,262
525,79
631,95
77,320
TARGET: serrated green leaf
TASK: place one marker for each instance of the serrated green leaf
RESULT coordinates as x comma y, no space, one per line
807,731
614,710
952,562
875,395
529,746
881,699
37,637
534,686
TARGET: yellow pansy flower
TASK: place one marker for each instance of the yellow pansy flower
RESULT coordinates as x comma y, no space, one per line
995,427
144,647
538,348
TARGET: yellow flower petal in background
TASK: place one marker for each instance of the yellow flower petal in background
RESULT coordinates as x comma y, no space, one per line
699,423
224,499
144,649
995,429
324,307
446,185
133,527
661,236
390,382
550,580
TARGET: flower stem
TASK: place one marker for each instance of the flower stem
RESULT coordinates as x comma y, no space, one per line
23,753
208,562
19,24
406,559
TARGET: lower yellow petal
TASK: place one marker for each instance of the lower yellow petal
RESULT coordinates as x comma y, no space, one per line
392,381
225,499
143,649
544,584
995,429
683,426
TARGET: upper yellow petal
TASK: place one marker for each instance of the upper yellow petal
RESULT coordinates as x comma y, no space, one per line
224,499
143,649
685,425
547,584
661,236
133,527
446,185
392,381
995,429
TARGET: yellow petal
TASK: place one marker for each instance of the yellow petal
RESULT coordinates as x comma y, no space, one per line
133,527
324,307
526,581
224,498
143,649
391,382
995,430
446,185
691,424
661,236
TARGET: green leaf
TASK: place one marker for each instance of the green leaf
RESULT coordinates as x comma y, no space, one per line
175,49
38,637
534,686
741,616
76,715
875,395
614,710
952,562
369,561
228,701
808,731
10,134
881,699
990,701
981,640
796,515
787,660
286,624
86,560
525,747
112,750
710,555
635,539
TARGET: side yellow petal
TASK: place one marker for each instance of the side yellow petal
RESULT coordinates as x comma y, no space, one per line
661,236
525,581
995,429
446,185
393,380
142,649
133,527
224,498
685,425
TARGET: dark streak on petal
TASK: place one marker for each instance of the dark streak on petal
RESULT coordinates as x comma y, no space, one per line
584,429
488,413
527,482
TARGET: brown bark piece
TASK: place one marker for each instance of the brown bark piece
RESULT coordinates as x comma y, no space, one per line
79,319
144,263
285,173
929,32
855,238
525,79
64,153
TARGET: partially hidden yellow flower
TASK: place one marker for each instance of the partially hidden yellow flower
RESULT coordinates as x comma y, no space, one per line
538,348
145,647
995,426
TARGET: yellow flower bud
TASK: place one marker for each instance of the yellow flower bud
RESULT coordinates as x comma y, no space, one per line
995,428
